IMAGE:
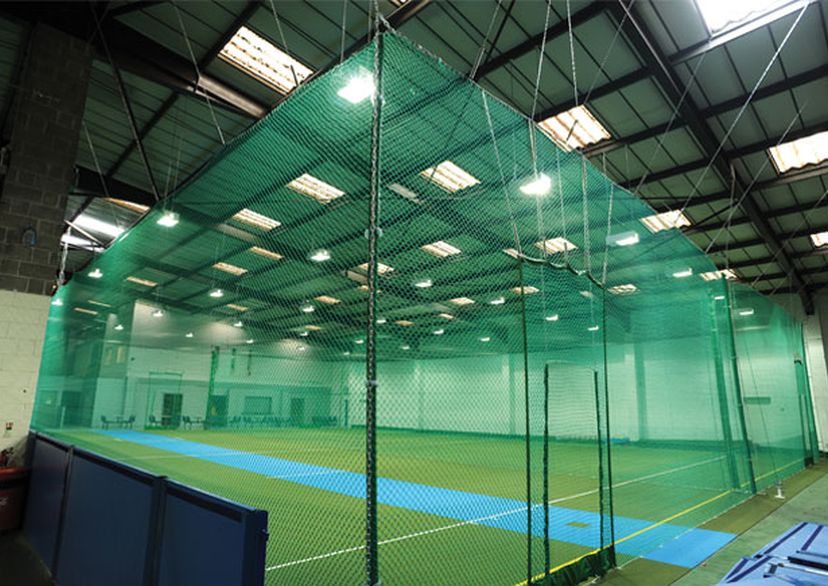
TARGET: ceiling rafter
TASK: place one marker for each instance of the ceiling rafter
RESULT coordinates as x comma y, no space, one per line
641,39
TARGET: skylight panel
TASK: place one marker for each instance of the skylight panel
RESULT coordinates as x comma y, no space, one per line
94,225
441,249
266,253
256,220
666,221
228,268
261,59
802,152
555,245
140,281
574,129
236,307
625,289
328,299
314,188
312,328
511,252
718,14
716,275
446,316
449,177
525,290
819,239
86,311
128,205
404,323
462,301
382,269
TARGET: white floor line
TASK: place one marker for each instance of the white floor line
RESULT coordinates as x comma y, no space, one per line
486,518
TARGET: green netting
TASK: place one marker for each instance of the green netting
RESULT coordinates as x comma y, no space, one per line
514,411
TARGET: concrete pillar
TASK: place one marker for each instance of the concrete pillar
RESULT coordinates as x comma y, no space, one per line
45,128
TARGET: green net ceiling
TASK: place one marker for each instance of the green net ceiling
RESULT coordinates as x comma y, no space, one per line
560,383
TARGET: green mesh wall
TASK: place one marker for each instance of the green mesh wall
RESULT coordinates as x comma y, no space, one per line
514,412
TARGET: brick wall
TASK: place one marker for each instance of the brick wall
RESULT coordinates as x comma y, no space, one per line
46,124
45,128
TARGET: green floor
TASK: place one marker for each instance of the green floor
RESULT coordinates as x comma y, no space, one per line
316,536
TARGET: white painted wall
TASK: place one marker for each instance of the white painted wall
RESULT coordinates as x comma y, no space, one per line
818,375
22,328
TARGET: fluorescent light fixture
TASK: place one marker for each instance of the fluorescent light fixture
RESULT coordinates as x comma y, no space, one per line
262,60
140,281
587,294
328,299
58,302
684,273
189,335
216,293
423,283
574,129
158,313
302,348
593,328
462,301
485,339
623,239
718,14
403,191
802,152
525,290
716,275
449,177
538,185
404,323
73,240
84,310
358,88
266,253
235,307
314,188
256,220
511,252
249,341
446,316
320,256
346,353
381,320
555,245
168,220
307,308
405,347
138,208
304,334
497,301
312,328
718,297
119,328
553,317
441,249
625,289
439,332
666,221
228,268
98,303
94,225
746,312
95,274
360,341
819,239
238,324
382,269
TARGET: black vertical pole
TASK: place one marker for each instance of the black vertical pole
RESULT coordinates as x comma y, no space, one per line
546,553
526,429
371,538
721,391
610,509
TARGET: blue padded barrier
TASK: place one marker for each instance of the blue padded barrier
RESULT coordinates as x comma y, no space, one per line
97,522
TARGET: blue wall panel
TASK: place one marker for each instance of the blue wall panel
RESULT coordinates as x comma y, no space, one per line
43,504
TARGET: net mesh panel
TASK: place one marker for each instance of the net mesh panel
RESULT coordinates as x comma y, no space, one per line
556,387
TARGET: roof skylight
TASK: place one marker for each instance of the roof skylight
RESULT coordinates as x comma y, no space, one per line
449,177
228,268
462,301
441,249
525,290
574,129
140,281
718,14
266,253
802,152
328,299
666,221
819,239
716,275
236,307
625,289
261,59
256,220
554,245
315,188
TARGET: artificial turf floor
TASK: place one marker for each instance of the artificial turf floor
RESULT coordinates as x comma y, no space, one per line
316,535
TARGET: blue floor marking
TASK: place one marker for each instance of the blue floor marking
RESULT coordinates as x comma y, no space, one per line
672,544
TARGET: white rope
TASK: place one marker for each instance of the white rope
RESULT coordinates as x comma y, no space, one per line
540,59
198,73
482,50
283,39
